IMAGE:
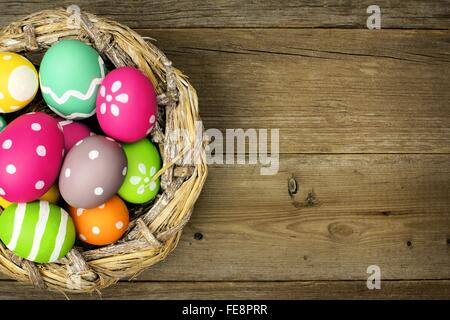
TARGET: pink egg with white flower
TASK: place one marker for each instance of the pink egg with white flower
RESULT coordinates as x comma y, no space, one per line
31,152
73,132
126,105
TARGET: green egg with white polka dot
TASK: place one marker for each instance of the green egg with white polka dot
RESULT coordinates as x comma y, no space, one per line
144,162
2,124
70,74
37,231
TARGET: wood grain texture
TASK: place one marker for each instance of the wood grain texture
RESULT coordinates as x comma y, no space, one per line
428,289
351,211
421,14
328,91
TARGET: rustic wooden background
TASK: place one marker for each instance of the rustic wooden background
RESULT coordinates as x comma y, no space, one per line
364,120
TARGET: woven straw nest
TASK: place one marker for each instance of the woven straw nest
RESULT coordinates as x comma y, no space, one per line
155,228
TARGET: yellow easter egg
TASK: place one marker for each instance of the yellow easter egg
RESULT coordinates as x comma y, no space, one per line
52,195
18,82
4,203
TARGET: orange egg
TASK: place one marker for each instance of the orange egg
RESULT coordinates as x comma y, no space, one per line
101,225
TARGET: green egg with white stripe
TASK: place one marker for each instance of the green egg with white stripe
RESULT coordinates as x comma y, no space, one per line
37,231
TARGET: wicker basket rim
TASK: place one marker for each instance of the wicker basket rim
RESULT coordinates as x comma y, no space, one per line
156,230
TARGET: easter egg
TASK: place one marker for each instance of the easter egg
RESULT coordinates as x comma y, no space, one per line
52,196
4,203
70,74
101,225
143,163
18,82
31,150
92,172
37,231
2,124
73,132
126,105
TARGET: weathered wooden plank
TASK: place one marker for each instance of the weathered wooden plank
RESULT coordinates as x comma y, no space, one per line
427,14
328,91
351,211
429,289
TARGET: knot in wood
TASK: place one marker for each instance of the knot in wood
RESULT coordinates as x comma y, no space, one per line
292,186
341,231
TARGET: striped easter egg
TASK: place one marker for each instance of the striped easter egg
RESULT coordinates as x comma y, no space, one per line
37,231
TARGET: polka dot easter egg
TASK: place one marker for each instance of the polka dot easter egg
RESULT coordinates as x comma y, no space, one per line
2,124
31,149
93,171
126,105
52,196
101,225
18,82
73,132
143,163
70,74
37,231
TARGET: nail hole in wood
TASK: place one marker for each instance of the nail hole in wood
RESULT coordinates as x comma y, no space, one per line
198,236
409,243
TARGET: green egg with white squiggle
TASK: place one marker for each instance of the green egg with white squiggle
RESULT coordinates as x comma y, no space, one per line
70,74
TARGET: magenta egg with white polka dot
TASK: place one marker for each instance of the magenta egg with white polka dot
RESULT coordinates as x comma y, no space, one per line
73,132
31,150
126,105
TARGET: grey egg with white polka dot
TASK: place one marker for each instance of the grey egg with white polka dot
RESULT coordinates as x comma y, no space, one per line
93,172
